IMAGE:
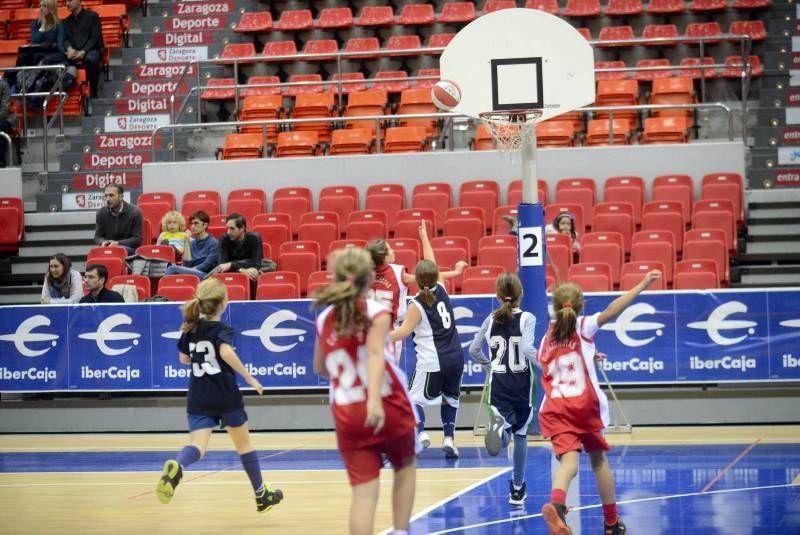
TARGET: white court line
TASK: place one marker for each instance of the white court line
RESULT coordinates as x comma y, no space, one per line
595,506
453,496
235,469
384,481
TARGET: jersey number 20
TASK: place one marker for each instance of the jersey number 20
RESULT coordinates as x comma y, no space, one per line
516,361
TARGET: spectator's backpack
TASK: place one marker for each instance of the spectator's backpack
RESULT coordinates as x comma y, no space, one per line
149,267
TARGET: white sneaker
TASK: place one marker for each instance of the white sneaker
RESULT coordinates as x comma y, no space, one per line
449,448
494,436
425,440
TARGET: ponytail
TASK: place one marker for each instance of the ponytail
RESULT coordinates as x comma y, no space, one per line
427,276
353,276
208,298
567,304
509,292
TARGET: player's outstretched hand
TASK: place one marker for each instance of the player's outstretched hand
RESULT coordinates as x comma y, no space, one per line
255,384
423,229
651,276
598,356
375,415
461,266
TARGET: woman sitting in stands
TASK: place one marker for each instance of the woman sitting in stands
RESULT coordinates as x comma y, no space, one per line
47,41
62,284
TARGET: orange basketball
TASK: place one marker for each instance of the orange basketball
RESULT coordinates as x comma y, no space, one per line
446,94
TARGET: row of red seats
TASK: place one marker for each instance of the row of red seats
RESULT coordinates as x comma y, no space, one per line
463,12
609,247
733,68
700,274
710,32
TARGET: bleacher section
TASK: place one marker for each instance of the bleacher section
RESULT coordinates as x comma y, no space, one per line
659,52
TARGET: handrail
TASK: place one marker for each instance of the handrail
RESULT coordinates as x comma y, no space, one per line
22,84
264,123
58,113
9,149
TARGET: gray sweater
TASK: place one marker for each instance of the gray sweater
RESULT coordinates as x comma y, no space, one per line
124,227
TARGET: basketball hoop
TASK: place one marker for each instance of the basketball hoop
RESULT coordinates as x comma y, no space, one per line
511,129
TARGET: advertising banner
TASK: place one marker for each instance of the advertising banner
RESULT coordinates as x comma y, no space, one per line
662,338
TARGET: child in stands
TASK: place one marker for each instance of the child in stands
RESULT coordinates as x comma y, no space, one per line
565,224
174,234
509,333
214,397
574,410
371,408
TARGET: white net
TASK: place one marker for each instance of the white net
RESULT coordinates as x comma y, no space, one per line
511,128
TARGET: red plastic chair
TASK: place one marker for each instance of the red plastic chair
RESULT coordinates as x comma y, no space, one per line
594,277
665,7
484,194
341,200
254,22
237,284
176,293
624,8
162,252
633,272
713,213
293,20
293,201
490,271
658,249
141,282
708,244
302,257
615,217
582,8
317,280
416,14
190,281
367,225
321,227
604,247
457,12
275,229
559,253
725,186
696,275
376,16
278,285
334,18
478,286
548,6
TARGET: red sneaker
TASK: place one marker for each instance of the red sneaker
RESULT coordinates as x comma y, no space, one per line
554,515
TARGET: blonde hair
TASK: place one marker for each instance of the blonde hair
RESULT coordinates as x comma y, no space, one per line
427,275
208,298
173,215
353,276
49,21
509,291
567,305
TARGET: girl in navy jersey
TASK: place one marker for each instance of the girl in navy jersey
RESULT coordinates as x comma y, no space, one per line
574,410
371,409
214,398
509,333
440,361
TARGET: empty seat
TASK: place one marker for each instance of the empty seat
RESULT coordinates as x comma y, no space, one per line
292,20
654,246
304,83
559,253
604,132
673,91
667,216
695,275
366,103
391,81
652,69
665,130
429,82
465,221
279,48
254,22
704,72
604,247
242,146
613,75
253,82
680,193
366,45
405,139
14,210
346,243
582,8
293,201
141,283
367,225
633,272
716,214
665,7
111,251
490,6
342,200
317,280
321,227
483,140
754,28
333,18
262,108
190,281
297,143
416,14
707,6
376,16
407,251
500,254
594,277
351,83
351,141
624,8
485,194
490,271
408,221
751,4
552,133
274,229
626,190
478,286
238,50
254,194
548,6
660,31
725,186
578,195
387,197
321,47
176,293
440,40
615,33
278,285
201,199
457,12
708,244
708,32
418,101
734,66
237,285
302,257
618,93
310,105
219,89
437,196
503,216
615,217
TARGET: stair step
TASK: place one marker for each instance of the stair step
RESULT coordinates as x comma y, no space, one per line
33,265
34,235
60,218
76,248
776,229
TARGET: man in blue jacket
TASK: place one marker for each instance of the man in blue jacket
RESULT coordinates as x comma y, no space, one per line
204,248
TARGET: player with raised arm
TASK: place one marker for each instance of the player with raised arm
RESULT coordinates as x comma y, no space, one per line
574,410
371,409
440,361
206,345
509,333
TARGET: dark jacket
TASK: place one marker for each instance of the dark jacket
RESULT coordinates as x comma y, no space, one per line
124,227
241,254
83,32
105,296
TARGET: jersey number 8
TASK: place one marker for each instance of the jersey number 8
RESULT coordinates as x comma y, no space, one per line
447,321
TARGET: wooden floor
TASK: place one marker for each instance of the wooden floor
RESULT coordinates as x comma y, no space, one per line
216,501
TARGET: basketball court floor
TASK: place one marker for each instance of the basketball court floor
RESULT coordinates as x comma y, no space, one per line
727,480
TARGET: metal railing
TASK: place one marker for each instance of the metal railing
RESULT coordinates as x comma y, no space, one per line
744,40
447,117
9,149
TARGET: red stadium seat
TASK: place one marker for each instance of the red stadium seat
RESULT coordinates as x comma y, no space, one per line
293,20
237,284
734,66
696,275
321,227
279,48
176,293
615,75
408,222
334,18
465,221
376,16
293,201
367,225
302,257
555,133
12,222
437,196
548,6
210,199
667,216
633,272
665,130
654,74
114,265
660,31
559,253
709,32
624,8
317,280
754,28
478,286
457,12
304,83
595,277
582,8
484,194
632,195
345,243
141,283
615,33
725,186
679,193
274,229
717,214
416,14
405,253
339,199
615,217
351,82
254,22
161,252
190,281
658,249
365,45
453,242
278,285
490,271
490,6
387,197
351,141
604,247
707,6
112,251
708,244
405,139
665,7
705,72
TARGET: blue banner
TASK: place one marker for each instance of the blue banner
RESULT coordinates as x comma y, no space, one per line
662,338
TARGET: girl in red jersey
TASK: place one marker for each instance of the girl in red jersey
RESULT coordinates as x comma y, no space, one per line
574,410
371,408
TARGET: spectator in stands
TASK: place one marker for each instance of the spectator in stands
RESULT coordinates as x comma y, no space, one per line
174,234
47,42
96,276
83,41
204,249
119,223
8,123
239,250
565,224
62,284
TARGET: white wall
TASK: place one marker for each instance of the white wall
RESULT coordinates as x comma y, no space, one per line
648,161
11,182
